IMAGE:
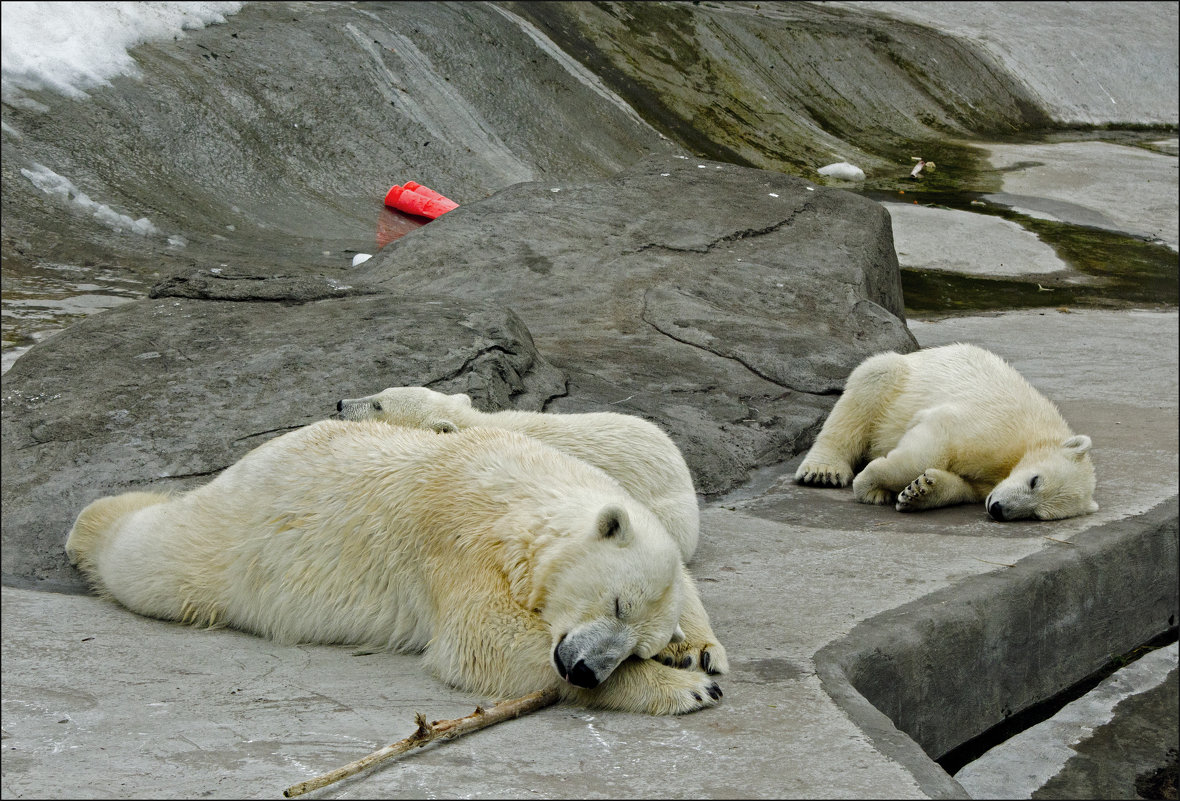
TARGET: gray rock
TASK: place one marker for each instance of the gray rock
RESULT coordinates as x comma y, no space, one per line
162,394
217,284
726,304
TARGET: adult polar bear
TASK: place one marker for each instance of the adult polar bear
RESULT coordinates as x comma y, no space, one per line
636,453
951,425
513,566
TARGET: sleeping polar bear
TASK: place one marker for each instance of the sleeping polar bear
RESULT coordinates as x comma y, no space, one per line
637,454
950,425
513,566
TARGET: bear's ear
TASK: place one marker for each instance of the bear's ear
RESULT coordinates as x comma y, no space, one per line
613,525
1077,445
443,427
464,400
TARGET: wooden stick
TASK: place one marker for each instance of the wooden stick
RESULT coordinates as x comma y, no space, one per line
441,730
988,561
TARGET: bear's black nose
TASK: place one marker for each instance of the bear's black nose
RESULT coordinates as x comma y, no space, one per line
996,511
582,676
339,405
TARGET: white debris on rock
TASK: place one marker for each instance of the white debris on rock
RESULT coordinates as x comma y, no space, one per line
843,170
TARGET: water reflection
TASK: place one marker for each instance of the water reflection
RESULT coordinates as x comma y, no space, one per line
40,300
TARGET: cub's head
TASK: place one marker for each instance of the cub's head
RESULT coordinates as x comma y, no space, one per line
612,594
413,407
1049,485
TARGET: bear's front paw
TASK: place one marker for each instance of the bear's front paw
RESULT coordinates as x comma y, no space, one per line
699,693
645,685
824,472
709,657
914,496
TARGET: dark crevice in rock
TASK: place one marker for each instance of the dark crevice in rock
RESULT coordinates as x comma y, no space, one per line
674,338
271,431
138,482
735,236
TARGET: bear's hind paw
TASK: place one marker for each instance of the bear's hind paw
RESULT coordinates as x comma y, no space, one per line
914,496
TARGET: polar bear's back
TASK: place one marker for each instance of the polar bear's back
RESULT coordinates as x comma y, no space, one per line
969,375
976,391
631,446
636,453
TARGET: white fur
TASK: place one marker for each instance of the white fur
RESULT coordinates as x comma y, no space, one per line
950,425
636,453
491,552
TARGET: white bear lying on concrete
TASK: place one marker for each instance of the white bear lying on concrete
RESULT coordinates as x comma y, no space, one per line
513,566
950,425
634,452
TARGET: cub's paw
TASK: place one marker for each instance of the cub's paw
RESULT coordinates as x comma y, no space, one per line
917,495
824,472
876,496
709,657
866,489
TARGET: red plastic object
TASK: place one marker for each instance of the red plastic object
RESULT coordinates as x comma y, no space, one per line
413,200
414,186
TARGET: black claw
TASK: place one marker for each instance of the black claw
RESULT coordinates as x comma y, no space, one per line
663,660
715,691
696,696
686,662
706,662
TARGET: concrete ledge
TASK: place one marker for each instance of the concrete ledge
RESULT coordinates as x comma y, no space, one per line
926,677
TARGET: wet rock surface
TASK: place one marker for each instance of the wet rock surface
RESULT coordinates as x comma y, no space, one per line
774,85
1130,756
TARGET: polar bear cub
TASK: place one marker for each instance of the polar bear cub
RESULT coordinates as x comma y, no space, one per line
636,453
512,566
950,425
